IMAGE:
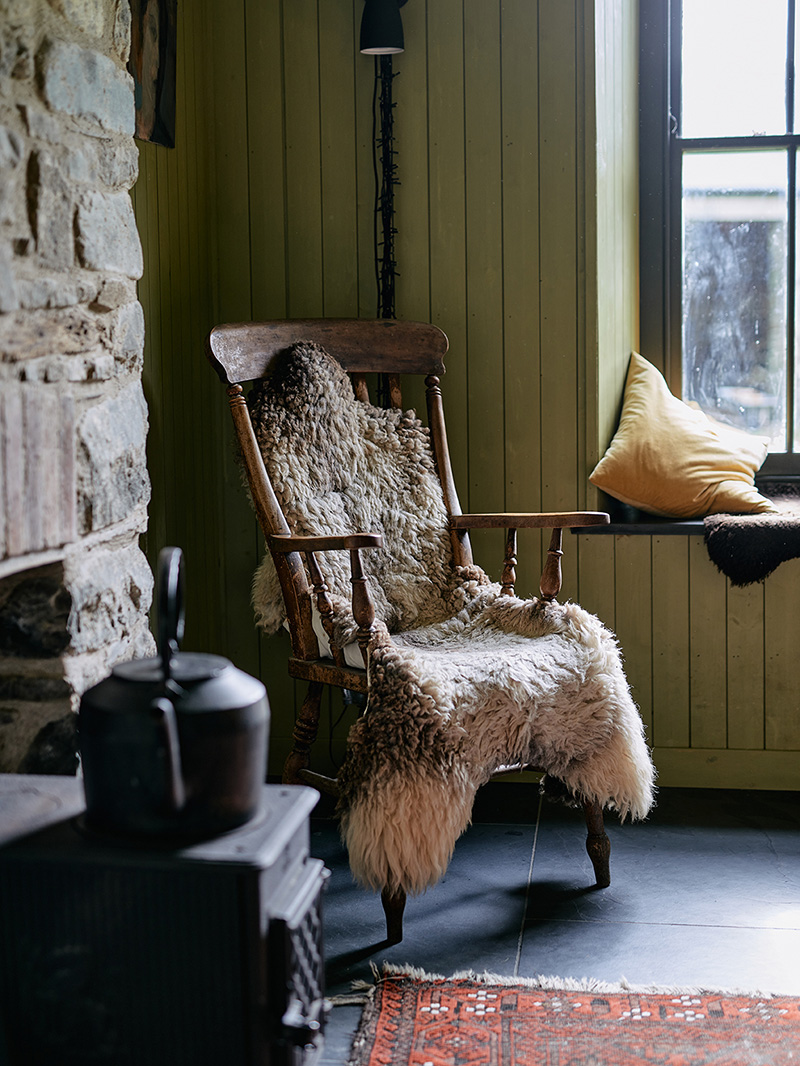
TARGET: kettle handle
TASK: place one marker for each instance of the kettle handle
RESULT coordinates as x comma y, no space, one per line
170,606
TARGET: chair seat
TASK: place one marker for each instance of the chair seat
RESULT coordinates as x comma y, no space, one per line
508,682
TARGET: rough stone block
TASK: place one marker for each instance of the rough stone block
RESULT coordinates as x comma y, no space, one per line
118,164
127,334
113,292
11,149
42,125
12,176
17,32
37,468
88,15
113,478
83,671
87,85
122,30
63,331
55,290
50,209
9,294
107,237
80,168
111,593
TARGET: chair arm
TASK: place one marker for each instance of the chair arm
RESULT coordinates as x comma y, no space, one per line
530,520
550,583
349,542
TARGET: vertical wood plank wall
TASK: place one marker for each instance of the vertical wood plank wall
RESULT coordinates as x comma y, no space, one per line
516,216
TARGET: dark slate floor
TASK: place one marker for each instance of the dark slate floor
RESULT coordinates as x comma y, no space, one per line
706,893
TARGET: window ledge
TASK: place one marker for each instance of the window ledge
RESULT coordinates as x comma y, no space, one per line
629,521
647,526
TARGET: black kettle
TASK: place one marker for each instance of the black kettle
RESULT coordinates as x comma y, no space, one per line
175,745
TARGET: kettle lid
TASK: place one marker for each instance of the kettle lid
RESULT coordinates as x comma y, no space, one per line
186,668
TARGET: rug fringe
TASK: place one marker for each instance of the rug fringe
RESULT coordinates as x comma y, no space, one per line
567,984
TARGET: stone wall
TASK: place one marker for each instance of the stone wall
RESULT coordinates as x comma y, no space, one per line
75,589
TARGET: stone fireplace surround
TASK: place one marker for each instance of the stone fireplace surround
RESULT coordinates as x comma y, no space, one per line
75,588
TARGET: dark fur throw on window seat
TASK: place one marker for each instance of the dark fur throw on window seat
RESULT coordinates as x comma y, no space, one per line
747,548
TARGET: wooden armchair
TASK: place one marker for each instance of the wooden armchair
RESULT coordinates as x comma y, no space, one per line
249,352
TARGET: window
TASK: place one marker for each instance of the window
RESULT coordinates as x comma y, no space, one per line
719,208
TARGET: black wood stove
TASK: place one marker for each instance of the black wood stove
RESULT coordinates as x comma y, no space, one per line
120,953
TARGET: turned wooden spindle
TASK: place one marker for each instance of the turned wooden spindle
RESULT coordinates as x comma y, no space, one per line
324,605
395,391
510,563
363,609
550,585
360,387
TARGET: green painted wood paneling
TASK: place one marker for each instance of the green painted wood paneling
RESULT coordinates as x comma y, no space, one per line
597,576
634,618
707,650
745,667
484,261
338,132
517,233
521,309
447,194
671,691
782,692
265,172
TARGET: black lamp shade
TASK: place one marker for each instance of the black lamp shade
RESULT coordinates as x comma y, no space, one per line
381,27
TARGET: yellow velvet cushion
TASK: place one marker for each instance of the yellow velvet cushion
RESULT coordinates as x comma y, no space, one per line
670,459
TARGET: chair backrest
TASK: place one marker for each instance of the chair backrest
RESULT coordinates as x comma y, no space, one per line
247,352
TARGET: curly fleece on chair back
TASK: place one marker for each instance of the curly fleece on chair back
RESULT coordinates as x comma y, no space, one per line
463,679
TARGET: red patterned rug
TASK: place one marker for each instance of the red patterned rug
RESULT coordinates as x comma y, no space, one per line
413,1019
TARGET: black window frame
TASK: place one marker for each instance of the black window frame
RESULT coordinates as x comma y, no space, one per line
661,148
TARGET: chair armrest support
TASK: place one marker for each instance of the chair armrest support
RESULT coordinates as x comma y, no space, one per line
550,582
363,607
530,520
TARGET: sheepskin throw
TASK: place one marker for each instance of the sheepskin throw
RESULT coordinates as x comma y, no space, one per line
747,548
463,680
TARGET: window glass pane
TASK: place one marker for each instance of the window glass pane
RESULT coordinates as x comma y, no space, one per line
734,64
734,288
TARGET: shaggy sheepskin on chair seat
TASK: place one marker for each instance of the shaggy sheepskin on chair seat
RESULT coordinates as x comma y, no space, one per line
462,679
507,681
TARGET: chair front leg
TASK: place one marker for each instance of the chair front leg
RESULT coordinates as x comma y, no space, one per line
393,906
597,843
304,735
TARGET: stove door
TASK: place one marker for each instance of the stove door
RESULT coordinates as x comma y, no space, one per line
296,969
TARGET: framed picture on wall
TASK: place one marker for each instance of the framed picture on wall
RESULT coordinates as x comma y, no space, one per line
152,65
